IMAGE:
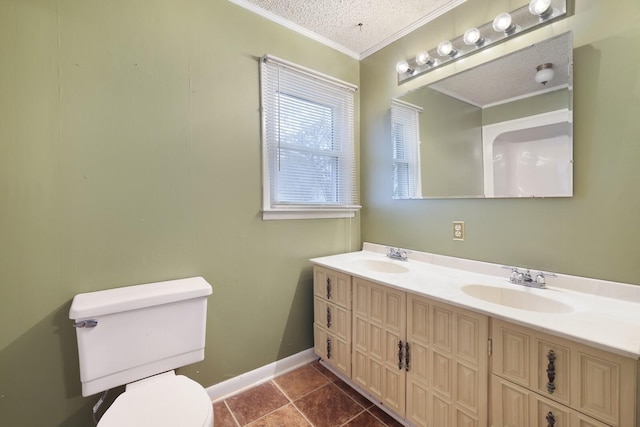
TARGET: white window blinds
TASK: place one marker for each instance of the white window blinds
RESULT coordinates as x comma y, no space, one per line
405,137
308,140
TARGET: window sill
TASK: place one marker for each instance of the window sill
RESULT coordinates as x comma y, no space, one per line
278,214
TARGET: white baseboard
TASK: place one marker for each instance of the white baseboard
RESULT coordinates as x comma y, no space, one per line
258,376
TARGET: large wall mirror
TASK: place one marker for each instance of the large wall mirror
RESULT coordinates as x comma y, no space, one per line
501,129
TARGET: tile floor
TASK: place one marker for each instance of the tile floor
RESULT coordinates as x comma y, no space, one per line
308,396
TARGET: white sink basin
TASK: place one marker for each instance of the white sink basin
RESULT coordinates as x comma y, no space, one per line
516,298
382,266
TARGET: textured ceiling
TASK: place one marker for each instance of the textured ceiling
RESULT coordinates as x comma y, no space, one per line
511,76
360,27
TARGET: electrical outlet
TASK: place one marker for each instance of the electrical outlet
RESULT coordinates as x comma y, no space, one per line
458,230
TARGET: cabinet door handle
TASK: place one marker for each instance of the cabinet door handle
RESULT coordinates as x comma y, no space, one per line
400,354
328,317
551,371
551,420
407,357
328,348
328,288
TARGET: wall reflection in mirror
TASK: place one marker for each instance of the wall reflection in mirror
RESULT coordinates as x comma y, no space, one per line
501,129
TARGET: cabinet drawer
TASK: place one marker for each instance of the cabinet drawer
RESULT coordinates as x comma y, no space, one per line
548,413
593,382
511,358
332,286
606,386
516,406
552,370
532,360
332,349
333,318
509,404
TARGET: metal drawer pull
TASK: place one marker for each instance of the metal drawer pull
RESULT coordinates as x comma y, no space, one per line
551,420
85,324
328,288
407,357
328,348
328,318
551,371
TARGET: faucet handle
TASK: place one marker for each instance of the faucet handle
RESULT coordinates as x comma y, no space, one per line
542,275
515,275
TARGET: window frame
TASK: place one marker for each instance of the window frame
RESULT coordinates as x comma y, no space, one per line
272,210
409,116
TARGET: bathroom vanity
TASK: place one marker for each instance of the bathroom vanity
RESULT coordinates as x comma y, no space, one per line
441,341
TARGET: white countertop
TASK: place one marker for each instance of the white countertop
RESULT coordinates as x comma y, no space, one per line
602,314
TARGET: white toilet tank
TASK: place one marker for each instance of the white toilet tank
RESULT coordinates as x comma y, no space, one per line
126,334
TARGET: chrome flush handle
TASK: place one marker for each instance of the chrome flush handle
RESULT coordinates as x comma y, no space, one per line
85,324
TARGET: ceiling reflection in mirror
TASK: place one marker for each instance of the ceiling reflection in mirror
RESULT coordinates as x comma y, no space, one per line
501,129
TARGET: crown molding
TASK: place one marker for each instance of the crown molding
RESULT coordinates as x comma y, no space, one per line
295,27
337,46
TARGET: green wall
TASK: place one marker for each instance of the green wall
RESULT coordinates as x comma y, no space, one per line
130,153
450,132
593,234
544,103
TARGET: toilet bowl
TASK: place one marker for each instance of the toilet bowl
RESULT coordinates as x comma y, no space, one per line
164,400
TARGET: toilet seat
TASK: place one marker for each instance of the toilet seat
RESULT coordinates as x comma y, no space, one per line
164,400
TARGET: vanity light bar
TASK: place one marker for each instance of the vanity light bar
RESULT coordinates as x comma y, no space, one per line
536,14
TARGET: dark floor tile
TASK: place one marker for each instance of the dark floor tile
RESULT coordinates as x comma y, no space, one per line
256,403
366,403
328,406
287,416
365,419
222,417
387,419
324,371
296,384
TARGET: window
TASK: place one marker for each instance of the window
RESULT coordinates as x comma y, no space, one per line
405,137
309,168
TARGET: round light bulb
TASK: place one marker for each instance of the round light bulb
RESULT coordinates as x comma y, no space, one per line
504,24
473,37
544,73
445,48
541,8
423,58
402,67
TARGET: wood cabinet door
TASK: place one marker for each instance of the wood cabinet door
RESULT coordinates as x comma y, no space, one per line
379,319
447,380
470,368
419,373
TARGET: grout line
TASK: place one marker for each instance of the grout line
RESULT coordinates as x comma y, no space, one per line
303,415
353,418
233,416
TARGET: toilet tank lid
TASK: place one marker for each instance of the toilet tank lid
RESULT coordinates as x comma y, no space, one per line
109,301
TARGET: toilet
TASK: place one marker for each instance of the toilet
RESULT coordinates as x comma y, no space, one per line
137,336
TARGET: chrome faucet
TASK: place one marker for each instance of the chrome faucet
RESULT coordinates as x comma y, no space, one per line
524,278
397,253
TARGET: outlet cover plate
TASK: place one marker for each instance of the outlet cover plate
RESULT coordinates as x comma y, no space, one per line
458,230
